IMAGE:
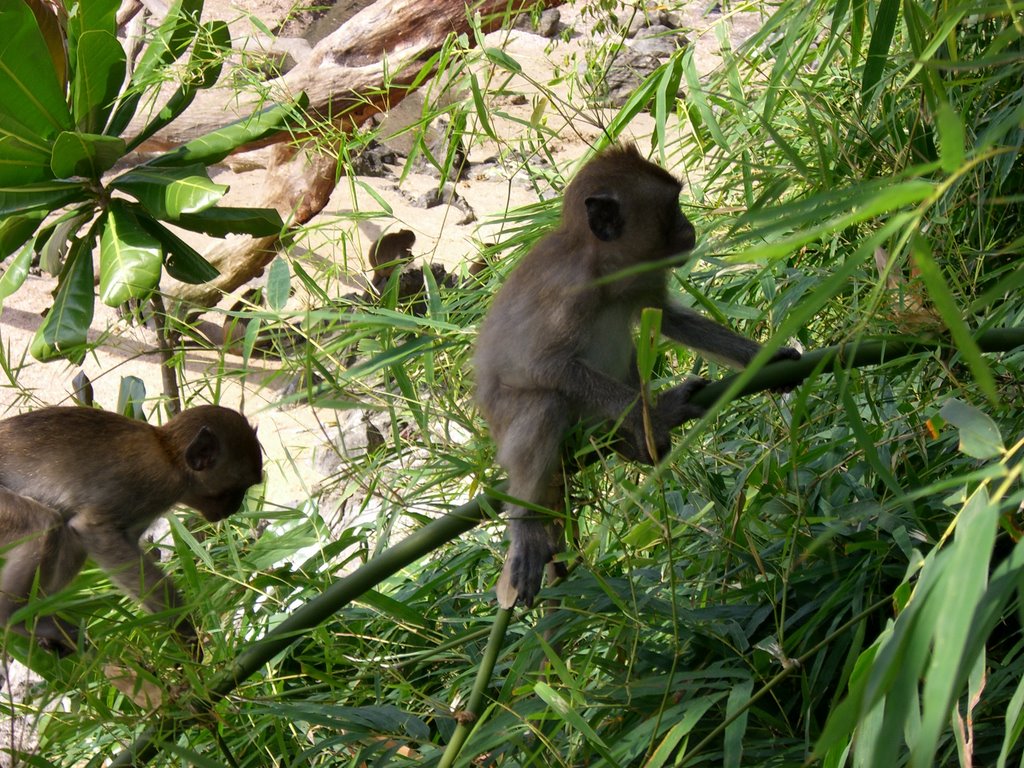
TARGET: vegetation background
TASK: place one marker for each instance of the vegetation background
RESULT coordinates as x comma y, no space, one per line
831,577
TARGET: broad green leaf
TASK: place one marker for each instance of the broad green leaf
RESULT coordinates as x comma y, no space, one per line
99,77
278,284
878,49
225,220
17,270
56,237
47,195
130,397
217,145
168,192
64,331
32,106
16,230
979,435
181,260
130,258
85,154
94,15
21,163
171,39
203,70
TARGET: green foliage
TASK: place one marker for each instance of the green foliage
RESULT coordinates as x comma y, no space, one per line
829,577
60,139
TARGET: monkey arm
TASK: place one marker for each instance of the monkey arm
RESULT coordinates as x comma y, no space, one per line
135,572
708,337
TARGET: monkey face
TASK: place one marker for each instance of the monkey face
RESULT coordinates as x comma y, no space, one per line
224,459
219,506
624,200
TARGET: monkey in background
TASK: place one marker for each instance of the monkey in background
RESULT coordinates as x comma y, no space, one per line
556,347
78,482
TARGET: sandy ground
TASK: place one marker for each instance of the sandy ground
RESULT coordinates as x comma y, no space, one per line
292,436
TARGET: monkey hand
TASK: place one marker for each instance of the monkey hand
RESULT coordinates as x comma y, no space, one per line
674,407
531,548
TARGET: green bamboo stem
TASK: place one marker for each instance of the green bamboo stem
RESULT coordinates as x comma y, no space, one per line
474,707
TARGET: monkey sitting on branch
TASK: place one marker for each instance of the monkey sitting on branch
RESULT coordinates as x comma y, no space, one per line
556,347
78,482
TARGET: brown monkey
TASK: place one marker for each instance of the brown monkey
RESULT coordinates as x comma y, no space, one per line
556,347
77,482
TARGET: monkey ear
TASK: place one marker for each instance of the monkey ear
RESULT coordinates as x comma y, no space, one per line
604,217
202,452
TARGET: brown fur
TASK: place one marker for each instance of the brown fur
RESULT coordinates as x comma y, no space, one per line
78,482
557,345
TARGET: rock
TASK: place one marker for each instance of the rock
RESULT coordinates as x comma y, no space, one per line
373,160
547,24
550,22
658,40
625,76
357,433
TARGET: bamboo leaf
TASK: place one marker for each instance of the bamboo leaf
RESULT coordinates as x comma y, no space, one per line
979,434
951,137
278,284
878,49
952,316
958,597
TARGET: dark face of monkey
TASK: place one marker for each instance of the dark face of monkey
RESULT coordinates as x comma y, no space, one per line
224,459
631,201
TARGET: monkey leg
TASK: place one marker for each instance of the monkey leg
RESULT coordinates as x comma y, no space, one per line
529,447
41,556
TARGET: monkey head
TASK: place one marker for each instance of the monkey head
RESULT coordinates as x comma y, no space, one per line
222,459
628,201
